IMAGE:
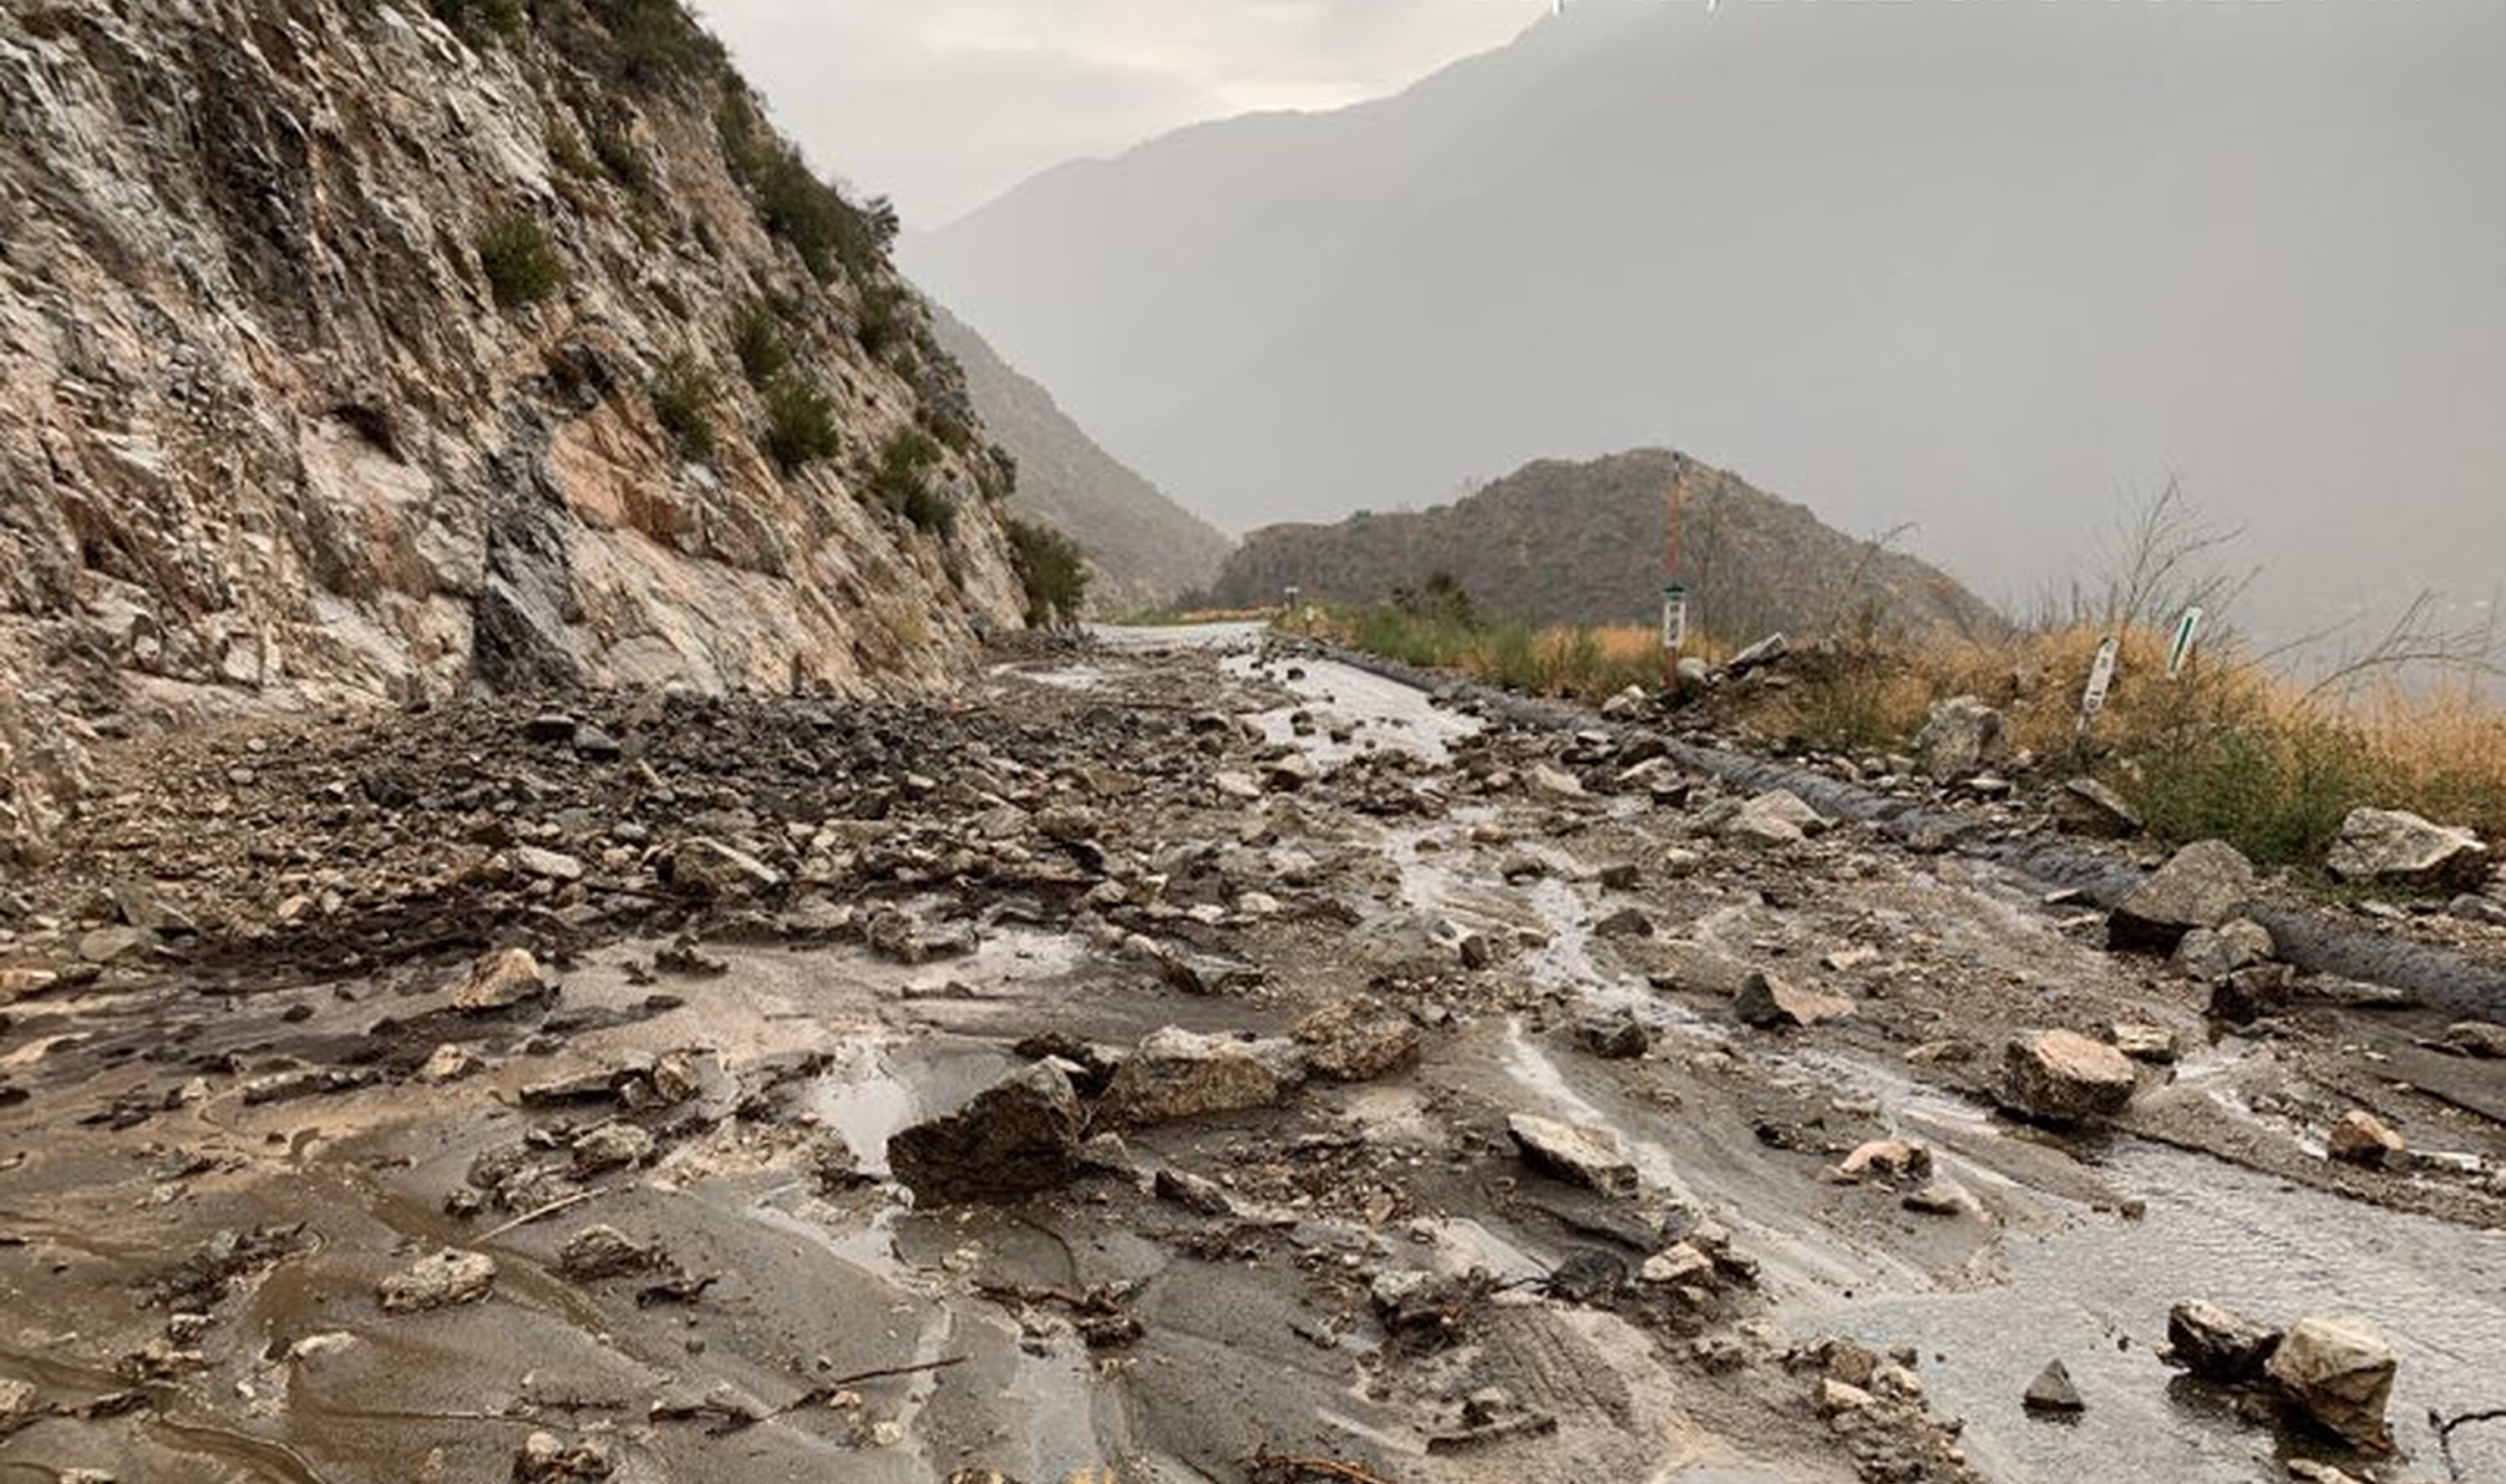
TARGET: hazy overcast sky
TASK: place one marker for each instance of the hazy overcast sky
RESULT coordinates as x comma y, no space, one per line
943,104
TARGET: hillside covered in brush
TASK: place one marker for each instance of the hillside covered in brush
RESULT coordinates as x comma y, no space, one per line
1568,542
1142,549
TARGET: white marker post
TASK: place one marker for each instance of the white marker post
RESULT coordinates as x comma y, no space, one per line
1674,634
2188,630
2101,676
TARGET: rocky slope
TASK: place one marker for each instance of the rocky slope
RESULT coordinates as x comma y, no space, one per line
346,353
1560,542
1142,547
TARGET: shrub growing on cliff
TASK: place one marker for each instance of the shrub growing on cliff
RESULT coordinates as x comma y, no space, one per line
658,41
757,339
800,424
521,265
903,480
1051,569
477,19
683,399
828,232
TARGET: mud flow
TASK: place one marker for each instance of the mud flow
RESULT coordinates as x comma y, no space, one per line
1183,1057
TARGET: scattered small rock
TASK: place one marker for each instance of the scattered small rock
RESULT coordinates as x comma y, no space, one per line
507,979
2360,1138
604,1252
441,1281
1178,1074
2339,1373
544,1460
2217,1344
1770,1003
2062,1076
1356,1040
1015,1137
2086,806
2054,1392
1613,1035
1576,1152
1960,735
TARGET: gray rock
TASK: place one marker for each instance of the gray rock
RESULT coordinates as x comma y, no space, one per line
1613,1035
2211,954
1178,1074
1357,1040
2393,847
547,864
604,1252
439,1282
2052,1391
1776,818
1018,1135
2339,1373
1764,651
2218,1344
611,1145
507,979
1961,735
2086,806
1770,1003
2201,886
1576,1152
2062,1076
2482,1039
2473,908
709,868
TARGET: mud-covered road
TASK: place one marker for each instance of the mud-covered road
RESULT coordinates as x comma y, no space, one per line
1395,1094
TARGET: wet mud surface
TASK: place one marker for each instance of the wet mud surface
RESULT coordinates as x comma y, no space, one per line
238,1128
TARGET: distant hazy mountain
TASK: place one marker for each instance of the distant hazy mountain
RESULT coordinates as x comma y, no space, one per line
1560,542
1978,267
1143,548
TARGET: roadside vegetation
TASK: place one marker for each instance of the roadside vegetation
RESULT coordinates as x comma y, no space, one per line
2241,746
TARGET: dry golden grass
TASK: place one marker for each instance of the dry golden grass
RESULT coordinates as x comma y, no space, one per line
2229,749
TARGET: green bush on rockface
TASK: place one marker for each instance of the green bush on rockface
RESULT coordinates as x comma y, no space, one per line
480,19
1051,569
658,42
800,424
683,400
521,265
793,204
757,339
902,482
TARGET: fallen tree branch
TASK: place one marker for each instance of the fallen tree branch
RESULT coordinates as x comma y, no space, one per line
562,1203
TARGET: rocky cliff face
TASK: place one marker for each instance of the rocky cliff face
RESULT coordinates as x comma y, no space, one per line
349,354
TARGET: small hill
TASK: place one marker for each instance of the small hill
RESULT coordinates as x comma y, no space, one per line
1568,542
1142,547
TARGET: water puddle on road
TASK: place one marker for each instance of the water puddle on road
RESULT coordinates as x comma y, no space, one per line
1373,712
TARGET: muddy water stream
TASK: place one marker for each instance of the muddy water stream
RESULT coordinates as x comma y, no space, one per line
2090,1288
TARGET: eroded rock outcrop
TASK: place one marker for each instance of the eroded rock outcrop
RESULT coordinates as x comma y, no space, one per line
343,356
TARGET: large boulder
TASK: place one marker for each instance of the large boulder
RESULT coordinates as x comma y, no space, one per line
1015,1137
1178,1074
1961,735
2201,886
2062,1077
2392,847
2339,1373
